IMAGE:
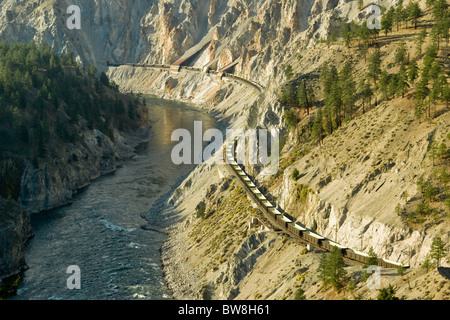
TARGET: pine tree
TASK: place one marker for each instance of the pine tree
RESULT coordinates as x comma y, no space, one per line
399,15
387,21
288,72
366,93
302,96
438,250
427,264
317,128
374,68
414,12
348,89
331,269
360,4
288,96
400,55
420,40
413,71
402,82
384,84
372,260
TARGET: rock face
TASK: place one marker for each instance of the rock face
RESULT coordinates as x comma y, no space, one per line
55,181
161,31
15,231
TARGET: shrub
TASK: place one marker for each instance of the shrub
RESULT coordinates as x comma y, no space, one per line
300,294
387,294
295,174
423,209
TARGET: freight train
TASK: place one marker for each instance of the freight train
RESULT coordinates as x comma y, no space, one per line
287,223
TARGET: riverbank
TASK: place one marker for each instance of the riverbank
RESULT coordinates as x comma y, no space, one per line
68,178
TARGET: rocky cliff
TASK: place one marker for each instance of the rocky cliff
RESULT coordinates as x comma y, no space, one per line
56,181
15,231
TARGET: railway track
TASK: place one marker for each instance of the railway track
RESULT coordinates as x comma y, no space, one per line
250,83
286,223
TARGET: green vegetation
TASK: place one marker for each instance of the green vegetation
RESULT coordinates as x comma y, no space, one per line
295,174
8,288
290,118
331,269
438,250
373,258
300,294
47,100
288,72
302,192
427,264
387,294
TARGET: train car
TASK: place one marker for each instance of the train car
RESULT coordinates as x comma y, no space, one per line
250,184
287,220
236,167
274,212
267,204
357,256
241,173
297,229
328,245
391,264
260,197
255,191
313,238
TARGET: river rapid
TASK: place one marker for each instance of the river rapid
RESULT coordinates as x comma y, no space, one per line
100,232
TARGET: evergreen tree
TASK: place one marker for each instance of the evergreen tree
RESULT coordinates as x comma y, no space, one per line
104,80
290,118
414,12
288,72
366,93
372,260
422,90
92,71
384,83
346,33
400,55
331,269
399,15
374,68
438,250
413,71
317,128
302,96
360,4
387,21
288,96
402,82
420,40
348,89
427,264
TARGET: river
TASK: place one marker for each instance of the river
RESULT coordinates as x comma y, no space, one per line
100,232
